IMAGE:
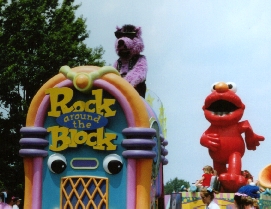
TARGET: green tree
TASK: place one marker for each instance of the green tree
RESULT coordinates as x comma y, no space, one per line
37,37
175,185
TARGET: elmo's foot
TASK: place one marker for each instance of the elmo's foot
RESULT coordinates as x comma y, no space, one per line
231,182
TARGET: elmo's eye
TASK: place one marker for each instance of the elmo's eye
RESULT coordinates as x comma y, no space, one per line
213,86
57,163
112,164
232,86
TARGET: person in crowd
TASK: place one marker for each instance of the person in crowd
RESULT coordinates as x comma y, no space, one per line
247,175
247,197
3,196
16,202
256,204
6,200
206,177
208,195
250,181
215,184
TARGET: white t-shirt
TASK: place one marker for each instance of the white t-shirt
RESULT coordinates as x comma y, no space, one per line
212,205
15,207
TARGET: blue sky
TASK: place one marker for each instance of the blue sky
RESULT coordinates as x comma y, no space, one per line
189,46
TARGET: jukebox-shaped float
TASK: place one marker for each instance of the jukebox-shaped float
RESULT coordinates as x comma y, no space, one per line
91,141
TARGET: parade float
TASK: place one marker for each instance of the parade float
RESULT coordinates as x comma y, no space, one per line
91,141
95,138
224,109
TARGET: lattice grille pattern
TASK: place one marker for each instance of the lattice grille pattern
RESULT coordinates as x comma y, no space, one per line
84,193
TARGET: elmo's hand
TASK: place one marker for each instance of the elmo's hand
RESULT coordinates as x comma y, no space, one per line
211,141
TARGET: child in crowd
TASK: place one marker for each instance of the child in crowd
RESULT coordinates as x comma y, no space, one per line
206,177
250,181
247,175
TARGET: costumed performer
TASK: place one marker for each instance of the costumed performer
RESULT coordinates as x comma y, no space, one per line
131,64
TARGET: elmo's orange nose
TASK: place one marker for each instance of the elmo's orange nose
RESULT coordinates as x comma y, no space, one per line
221,87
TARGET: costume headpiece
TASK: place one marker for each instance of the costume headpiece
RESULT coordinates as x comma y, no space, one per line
249,190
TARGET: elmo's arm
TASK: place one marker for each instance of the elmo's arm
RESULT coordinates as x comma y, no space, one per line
211,141
252,139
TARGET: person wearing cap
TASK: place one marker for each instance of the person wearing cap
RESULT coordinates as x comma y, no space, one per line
207,195
16,202
246,197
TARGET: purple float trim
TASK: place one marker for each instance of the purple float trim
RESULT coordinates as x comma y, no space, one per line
39,142
131,183
136,132
162,138
84,163
164,151
36,131
165,161
33,153
159,191
165,143
41,113
37,183
142,143
139,154
129,115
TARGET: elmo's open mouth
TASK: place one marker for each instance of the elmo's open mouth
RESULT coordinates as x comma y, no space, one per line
222,107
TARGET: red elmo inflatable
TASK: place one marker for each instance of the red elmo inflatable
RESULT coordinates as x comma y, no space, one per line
223,109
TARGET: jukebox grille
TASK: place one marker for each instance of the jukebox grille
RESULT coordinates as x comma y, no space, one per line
84,193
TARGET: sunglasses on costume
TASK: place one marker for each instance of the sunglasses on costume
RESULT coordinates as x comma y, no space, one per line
130,35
